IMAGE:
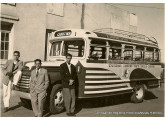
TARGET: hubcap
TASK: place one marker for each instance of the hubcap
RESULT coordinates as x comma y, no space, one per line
58,99
139,93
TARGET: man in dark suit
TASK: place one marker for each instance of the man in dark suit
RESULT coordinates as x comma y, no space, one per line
12,74
38,85
69,76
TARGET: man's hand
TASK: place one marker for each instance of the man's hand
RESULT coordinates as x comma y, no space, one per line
71,82
9,74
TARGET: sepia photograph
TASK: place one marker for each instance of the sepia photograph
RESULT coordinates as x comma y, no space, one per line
82,60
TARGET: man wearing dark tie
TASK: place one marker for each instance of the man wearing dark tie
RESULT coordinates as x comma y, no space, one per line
38,85
69,76
12,73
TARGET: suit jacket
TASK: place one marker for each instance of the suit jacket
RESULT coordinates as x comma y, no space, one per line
8,67
40,83
66,76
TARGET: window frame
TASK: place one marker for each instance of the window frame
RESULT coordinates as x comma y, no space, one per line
62,45
98,46
5,41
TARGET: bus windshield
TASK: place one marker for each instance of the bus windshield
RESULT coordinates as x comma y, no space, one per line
55,48
74,47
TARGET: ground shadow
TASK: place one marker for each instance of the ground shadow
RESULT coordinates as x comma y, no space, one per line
149,95
78,106
26,105
102,102
14,107
109,101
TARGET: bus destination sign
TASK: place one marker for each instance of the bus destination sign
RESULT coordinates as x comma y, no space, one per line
63,33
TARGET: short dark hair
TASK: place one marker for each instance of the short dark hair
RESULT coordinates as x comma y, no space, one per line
37,60
68,54
17,52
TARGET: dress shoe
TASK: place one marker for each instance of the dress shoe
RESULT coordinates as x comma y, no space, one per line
5,109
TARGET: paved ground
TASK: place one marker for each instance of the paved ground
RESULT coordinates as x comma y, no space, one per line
152,106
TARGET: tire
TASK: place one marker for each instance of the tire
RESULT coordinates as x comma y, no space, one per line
26,103
56,99
139,93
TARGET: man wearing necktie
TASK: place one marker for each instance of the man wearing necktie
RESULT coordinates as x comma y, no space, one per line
69,76
38,85
12,73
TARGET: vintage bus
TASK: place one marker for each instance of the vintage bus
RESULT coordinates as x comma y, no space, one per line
108,61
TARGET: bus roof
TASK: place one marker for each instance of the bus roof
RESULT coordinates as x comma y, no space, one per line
107,33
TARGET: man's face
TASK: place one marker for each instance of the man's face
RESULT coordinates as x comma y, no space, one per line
16,56
68,59
38,64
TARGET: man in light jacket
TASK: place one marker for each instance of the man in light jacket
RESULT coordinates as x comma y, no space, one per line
38,85
12,73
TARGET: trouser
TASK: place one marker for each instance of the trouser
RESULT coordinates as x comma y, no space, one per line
17,77
8,88
69,99
7,93
38,100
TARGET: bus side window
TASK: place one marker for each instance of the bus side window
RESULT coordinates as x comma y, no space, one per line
116,54
114,51
97,53
93,54
110,54
97,49
149,55
76,48
139,54
156,56
128,53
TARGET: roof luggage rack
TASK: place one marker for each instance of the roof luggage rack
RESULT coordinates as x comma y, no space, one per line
105,32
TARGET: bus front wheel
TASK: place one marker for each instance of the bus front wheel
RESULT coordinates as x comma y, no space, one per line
138,94
56,99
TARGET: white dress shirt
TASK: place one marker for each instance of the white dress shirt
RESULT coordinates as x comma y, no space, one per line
69,67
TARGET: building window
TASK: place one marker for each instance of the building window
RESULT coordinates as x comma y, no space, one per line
4,44
6,40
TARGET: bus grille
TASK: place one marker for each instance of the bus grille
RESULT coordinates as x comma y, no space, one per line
100,81
24,82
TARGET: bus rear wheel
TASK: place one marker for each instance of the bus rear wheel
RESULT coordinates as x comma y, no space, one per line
138,95
56,99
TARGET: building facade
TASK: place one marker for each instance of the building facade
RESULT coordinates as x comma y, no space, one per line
26,27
